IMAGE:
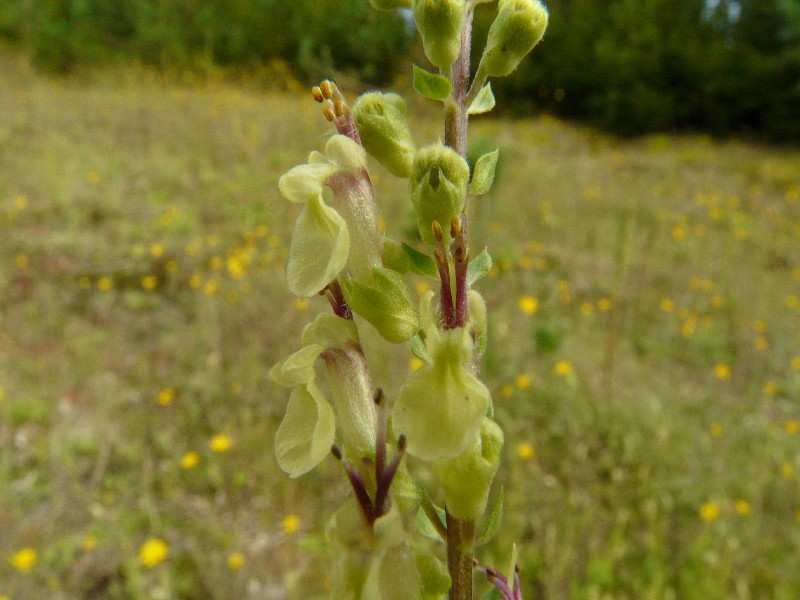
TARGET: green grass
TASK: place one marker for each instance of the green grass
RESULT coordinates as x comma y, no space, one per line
658,378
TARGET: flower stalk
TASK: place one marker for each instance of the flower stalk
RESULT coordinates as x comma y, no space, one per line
442,414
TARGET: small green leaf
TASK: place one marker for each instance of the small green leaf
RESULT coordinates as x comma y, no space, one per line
418,348
430,85
395,257
478,267
421,263
483,102
382,299
493,521
483,174
427,529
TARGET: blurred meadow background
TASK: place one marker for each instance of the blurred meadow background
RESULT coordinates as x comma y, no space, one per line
644,346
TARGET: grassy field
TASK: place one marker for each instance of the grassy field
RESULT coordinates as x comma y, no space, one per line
644,350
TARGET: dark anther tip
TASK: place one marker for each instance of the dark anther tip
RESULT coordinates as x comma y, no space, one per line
378,396
401,443
336,452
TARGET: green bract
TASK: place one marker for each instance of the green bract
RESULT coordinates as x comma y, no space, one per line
319,249
439,23
380,119
467,478
440,406
519,26
307,431
382,299
439,179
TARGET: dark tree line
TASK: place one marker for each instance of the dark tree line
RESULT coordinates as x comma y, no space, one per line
634,66
628,66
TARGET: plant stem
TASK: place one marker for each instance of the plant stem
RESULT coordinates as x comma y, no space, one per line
460,534
460,540
455,111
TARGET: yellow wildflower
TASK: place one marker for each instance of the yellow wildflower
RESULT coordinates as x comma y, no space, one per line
742,507
235,561
563,368
523,381
190,460
290,524
24,560
709,511
722,371
526,451
153,552
220,443
529,305
166,396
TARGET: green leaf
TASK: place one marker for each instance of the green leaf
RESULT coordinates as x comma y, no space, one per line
483,102
478,267
430,85
418,348
421,263
382,299
483,174
493,521
395,257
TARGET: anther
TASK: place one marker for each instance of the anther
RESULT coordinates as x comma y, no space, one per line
336,452
460,254
378,396
440,258
437,231
326,89
455,227
317,93
338,107
329,114
401,443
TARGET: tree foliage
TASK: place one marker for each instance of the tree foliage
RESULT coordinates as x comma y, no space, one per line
629,66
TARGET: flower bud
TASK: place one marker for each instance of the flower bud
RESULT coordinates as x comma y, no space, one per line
441,406
390,4
439,178
382,299
380,119
467,478
439,23
519,26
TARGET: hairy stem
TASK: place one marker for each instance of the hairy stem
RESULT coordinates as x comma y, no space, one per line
460,534
460,542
